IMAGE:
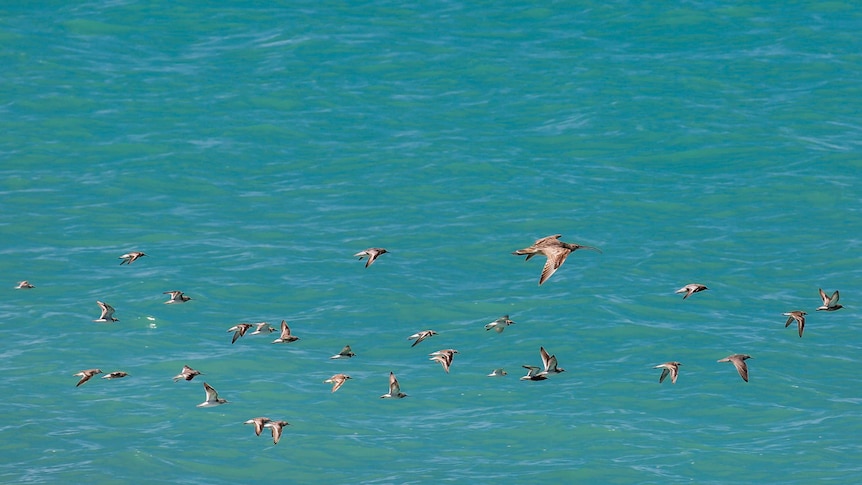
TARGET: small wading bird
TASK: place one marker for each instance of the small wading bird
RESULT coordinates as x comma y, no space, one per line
337,381
115,375
394,389
187,373
212,398
176,297
239,330
691,289
830,303
371,253
555,250
534,373
262,327
671,368
258,424
107,313
345,353
130,257
85,375
420,336
276,427
738,361
549,362
797,315
499,324
444,357
285,337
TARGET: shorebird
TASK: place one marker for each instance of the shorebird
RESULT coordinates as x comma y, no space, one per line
534,373
286,337
239,330
24,285
85,375
176,297
830,303
797,315
337,381
738,361
498,373
107,313
394,388
499,324
371,253
444,352
262,327
444,357
276,427
549,362
420,336
115,375
555,250
671,368
345,353
258,424
212,398
130,257
691,289
187,373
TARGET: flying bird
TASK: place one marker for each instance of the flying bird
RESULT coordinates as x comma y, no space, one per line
130,257
830,303
394,388
212,398
554,250
549,362
420,336
285,337
671,368
444,357
534,373
345,353
691,289
85,375
176,297
239,330
337,381
107,313
262,327
258,424
24,285
276,427
187,373
499,324
115,375
371,253
738,361
797,315
500,372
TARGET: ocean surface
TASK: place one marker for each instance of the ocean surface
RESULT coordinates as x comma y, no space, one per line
251,148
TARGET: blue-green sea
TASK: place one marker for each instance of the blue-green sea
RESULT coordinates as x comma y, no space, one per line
250,149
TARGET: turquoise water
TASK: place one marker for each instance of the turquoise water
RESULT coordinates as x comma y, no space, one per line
251,151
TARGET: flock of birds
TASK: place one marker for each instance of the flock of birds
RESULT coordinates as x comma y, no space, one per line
555,252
